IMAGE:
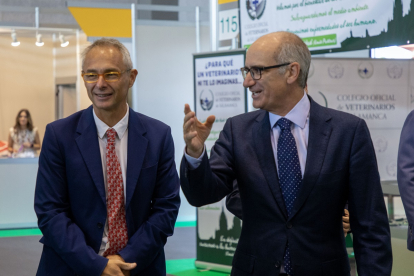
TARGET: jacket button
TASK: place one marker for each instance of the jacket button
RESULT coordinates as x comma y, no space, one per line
277,264
100,225
288,225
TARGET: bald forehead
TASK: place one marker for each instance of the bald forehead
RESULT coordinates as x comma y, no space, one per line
103,53
274,40
266,46
269,45
102,58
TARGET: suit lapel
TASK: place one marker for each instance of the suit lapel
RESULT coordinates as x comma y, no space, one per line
137,147
88,145
319,134
264,150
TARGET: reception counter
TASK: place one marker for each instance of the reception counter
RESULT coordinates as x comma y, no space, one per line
17,185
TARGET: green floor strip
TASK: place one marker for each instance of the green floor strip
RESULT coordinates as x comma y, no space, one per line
36,231
185,224
185,267
19,232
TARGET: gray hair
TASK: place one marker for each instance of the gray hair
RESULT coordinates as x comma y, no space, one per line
291,50
110,42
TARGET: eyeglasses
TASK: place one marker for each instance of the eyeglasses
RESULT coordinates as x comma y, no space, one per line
256,72
108,77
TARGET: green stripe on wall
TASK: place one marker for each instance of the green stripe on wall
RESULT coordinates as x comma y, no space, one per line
20,232
185,224
36,231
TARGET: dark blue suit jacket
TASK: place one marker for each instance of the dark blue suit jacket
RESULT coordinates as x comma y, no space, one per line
341,165
70,200
405,174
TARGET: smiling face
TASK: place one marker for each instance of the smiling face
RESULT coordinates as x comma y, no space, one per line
108,96
273,92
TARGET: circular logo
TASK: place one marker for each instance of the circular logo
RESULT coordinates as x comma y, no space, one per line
206,99
392,169
311,70
380,144
365,69
336,70
394,71
255,8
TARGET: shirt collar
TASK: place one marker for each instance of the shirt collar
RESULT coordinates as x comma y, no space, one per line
120,127
298,115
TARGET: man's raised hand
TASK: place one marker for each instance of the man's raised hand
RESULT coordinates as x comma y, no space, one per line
195,132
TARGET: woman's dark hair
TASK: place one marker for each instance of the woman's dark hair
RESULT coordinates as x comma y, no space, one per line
29,120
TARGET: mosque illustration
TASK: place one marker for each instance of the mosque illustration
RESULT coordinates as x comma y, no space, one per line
400,31
220,247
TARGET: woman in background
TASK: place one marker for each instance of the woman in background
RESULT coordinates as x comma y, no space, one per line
23,137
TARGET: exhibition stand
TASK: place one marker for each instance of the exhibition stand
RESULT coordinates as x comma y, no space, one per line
17,186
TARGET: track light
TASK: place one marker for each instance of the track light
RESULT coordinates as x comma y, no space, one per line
39,41
63,42
15,42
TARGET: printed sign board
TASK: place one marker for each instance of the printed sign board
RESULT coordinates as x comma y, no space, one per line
378,91
219,91
331,25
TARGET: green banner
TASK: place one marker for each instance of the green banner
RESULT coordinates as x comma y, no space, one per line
319,41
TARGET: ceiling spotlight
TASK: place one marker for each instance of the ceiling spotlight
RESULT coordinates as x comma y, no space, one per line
39,41
15,42
63,42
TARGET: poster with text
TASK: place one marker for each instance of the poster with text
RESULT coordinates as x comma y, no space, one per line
331,25
378,91
219,91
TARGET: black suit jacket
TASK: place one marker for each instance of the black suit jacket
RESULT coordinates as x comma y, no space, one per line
341,165
233,202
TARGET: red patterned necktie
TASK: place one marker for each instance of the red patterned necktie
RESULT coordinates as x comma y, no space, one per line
117,231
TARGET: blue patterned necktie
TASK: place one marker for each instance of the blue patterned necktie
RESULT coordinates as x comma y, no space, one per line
290,176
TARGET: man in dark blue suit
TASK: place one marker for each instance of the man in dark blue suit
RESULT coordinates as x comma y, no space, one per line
296,164
107,190
405,174
233,204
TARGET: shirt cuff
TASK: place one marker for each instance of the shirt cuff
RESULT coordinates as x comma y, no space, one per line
193,163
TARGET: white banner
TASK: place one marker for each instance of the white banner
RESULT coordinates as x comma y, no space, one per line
219,89
378,91
330,24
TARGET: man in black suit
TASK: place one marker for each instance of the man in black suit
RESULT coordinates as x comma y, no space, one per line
296,164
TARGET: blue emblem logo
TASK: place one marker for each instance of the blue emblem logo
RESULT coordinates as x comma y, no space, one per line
255,8
365,70
206,99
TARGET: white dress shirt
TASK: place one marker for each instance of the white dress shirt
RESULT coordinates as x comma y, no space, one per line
121,150
299,116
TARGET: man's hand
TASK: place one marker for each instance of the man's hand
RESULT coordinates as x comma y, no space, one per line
116,266
345,222
195,132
